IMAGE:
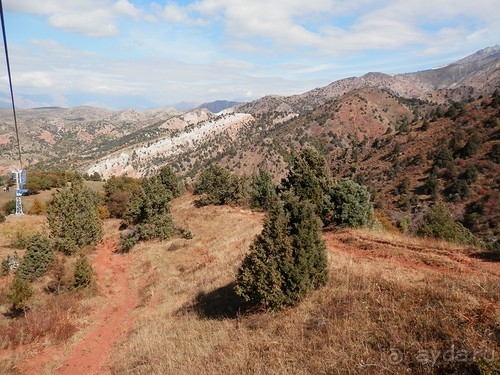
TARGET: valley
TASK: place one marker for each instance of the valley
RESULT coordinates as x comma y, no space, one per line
350,229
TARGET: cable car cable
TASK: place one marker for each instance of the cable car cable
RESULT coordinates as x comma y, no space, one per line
10,85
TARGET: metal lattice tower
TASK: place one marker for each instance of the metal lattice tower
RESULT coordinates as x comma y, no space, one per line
20,176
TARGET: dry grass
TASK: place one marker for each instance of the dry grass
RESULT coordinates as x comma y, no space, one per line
428,302
53,322
51,319
393,305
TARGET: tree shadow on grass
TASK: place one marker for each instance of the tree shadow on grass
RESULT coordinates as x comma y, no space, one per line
219,304
16,312
488,256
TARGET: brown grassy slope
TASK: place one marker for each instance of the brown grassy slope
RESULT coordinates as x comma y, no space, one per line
351,133
391,304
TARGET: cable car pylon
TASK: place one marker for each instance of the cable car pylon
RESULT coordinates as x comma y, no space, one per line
18,174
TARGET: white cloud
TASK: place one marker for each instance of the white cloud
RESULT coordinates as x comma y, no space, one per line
95,18
318,24
36,79
127,9
175,13
213,49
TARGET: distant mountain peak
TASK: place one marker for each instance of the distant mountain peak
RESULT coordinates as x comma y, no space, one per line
219,105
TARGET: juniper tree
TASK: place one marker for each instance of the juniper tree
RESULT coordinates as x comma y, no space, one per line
310,179
19,292
439,223
148,214
117,194
262,190
74,217
170,180
287,260
351,204
83,276
218,185
38,258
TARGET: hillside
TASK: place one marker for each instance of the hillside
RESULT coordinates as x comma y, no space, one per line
218,105
77,137
381,130
393,305
381,141
475,75
59,136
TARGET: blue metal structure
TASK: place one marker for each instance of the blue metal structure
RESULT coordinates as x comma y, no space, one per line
20,177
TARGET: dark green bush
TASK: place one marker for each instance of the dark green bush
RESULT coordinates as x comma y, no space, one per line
73,215
10,207
2,218
287,260
495,153
83,276
439,223
443,157
262,190
4,267
351,204
310,179
431,184
469,175
217,185
117,194
148,215
127,242
186,234
65,245
19,292
38,258
458,190
170,180
472,146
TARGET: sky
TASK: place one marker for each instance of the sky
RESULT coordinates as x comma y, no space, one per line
141,54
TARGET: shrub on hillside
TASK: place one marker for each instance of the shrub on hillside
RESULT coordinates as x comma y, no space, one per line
351,204
38,258
2,218
472,146
309,178
262,191
19,292
10,207
83,276
73,215
287,260
117,194
148,215
65,245
217,185
170,180
442,157
37,207
439,223
431,184
44,180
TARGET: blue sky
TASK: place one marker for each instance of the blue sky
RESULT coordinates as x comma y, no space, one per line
143,54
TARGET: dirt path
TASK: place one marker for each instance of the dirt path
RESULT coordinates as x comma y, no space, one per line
109,323
408,254
90,355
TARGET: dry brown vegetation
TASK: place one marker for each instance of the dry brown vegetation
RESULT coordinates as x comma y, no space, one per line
393,305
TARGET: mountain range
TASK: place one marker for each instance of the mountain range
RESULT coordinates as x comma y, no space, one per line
369,128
